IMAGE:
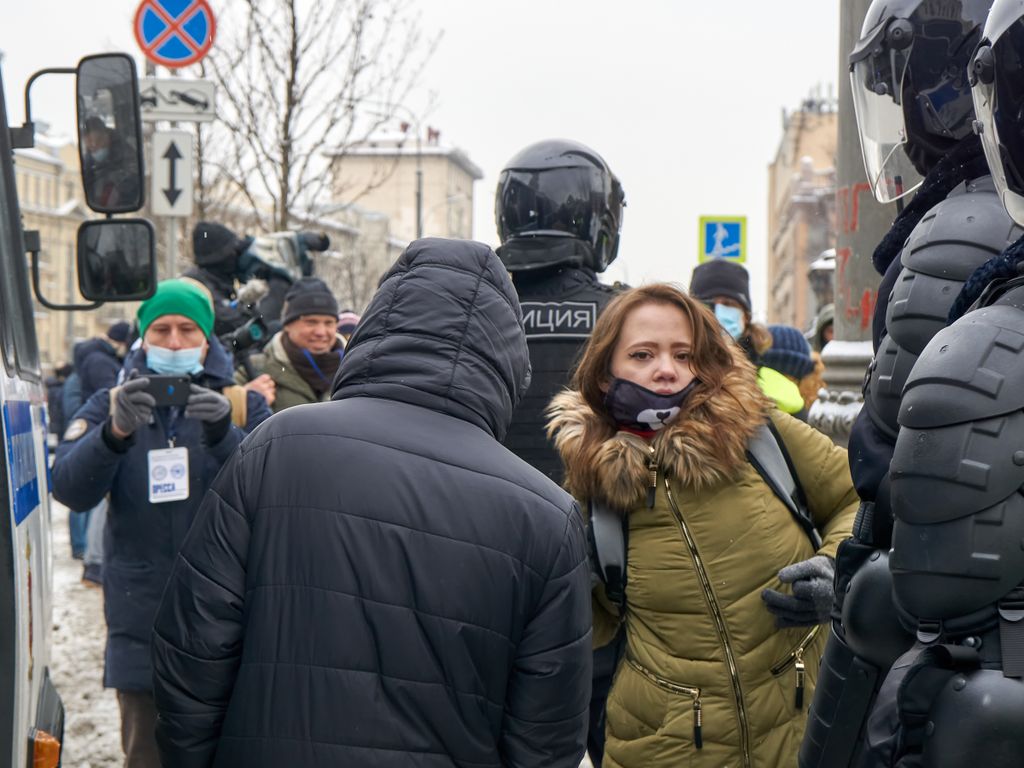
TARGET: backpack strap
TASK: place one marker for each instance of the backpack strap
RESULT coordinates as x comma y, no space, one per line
238,397
607,534
608,530
768,456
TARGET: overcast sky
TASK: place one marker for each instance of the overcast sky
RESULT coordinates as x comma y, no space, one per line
684,99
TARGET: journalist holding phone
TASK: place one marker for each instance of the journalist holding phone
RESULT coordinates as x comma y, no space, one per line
154,445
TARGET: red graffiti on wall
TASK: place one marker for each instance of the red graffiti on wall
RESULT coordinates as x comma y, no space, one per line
848,205
856,308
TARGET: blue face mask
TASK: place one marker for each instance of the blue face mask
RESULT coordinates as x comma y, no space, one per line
176,362
731,319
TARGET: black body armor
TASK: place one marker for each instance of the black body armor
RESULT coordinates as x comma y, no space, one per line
560,306
954,238
957,699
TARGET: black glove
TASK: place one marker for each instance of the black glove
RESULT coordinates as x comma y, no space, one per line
813,594
132,406
211,408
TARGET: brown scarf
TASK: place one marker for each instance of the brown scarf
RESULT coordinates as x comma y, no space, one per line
317,370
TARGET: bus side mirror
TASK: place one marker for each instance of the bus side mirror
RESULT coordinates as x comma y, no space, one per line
116,260
110,133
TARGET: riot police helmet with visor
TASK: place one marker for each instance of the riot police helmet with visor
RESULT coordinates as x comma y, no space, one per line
910,88
997,79
558,202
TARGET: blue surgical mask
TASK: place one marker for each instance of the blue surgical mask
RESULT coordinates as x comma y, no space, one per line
99,155
174,362
731,319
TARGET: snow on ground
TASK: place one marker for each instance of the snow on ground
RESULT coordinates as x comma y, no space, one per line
92,727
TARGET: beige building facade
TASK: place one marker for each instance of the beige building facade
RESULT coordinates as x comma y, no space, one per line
382,174
51,199
801,211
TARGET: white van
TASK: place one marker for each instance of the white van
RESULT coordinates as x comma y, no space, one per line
31,711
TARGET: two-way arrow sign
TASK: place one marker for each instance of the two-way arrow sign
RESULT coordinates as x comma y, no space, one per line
172,191
172,156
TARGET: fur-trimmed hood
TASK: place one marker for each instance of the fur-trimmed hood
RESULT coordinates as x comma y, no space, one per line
705,444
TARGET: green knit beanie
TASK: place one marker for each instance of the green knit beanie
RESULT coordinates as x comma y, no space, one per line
178,297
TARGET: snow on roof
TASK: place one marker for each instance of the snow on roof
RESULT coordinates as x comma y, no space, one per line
39,155
385,145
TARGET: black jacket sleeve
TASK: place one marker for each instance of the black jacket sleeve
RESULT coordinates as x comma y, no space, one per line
197,637
84,468
548,696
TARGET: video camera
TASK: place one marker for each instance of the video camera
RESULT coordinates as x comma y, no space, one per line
281,254
267,268
254,332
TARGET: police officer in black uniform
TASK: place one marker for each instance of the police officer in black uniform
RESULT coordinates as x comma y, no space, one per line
558,210
915,115
956,699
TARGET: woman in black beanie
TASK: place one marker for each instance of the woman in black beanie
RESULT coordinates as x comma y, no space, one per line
725,287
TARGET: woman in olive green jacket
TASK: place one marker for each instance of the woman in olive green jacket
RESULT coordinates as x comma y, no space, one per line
722,649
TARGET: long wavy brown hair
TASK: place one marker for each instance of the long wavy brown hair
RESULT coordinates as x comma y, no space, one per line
712,354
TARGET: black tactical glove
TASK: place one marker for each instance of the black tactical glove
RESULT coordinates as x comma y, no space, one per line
211,408
132,407
813,594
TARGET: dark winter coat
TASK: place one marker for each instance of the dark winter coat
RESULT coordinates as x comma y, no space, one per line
71,397
97,365
141,539
55,404
376,580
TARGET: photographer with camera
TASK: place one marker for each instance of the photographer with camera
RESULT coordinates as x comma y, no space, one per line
217,250
154,444
303,357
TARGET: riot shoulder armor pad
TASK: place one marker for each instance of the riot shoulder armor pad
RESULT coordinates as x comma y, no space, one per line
976,720
957,469
953,239
870,624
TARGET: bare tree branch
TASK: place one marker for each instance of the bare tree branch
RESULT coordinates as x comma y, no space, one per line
300,84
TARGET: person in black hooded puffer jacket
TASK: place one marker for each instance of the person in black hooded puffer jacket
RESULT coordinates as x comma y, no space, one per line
376,580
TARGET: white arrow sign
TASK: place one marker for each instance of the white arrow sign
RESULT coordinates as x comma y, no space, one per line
177,98
171,165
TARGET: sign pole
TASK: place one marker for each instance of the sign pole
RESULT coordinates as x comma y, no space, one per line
172,247
173,35
172,230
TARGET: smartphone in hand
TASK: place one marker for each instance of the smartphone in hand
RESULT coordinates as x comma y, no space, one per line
169,390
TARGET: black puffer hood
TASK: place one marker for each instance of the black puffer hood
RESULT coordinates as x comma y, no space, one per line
444,331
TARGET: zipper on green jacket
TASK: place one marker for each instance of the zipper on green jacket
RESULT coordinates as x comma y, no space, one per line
679,689
719,619
652,474
796,658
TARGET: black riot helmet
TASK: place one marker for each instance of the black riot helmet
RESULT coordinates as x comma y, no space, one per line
558,203
997,77
910,87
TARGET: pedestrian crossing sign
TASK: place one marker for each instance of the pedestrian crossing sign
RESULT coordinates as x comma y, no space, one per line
723,237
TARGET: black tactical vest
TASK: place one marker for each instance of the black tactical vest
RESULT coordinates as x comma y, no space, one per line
560,307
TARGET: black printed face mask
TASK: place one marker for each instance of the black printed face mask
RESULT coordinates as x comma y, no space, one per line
635,407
